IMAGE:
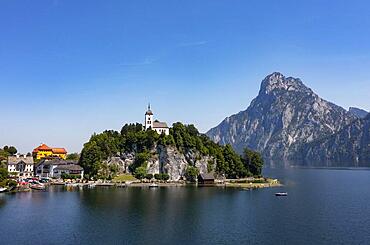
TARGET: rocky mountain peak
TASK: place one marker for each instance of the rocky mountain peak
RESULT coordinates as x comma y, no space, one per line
276,81
284,115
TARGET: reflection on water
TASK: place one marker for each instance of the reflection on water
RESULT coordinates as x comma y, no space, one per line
323,206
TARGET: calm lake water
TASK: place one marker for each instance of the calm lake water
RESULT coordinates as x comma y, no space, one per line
324,206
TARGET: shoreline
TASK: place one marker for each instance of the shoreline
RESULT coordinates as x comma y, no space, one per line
233,183
245,184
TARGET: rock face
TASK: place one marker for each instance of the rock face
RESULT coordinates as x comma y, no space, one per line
166,159
284,115
357,112
349,145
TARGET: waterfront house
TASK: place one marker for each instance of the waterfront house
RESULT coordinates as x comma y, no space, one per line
53,168
45,152
150,123
21,166
70,169
206,179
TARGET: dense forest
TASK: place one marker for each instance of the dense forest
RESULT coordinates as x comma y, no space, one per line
133,139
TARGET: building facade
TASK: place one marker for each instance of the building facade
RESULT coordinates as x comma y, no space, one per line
21,166
54,168
150,123
45,152
70,169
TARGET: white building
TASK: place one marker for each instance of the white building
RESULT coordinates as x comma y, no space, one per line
20,165
150,123
56,167
71,169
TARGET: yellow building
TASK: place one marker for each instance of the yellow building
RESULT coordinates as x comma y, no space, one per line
44,151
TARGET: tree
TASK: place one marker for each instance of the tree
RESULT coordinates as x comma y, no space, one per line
162,176
12,150
3,155
140,160
253,161
91,158
234,164
165,176
73,157
191,173
3,174
140,172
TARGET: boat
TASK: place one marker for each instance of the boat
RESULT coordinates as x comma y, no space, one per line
2,189
37,186
71,184
153,185
93,185
281,194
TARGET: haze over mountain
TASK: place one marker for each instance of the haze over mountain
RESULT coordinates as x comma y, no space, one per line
285,115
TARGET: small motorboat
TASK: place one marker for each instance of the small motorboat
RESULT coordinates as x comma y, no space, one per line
153,185
37,186
281,194
2,189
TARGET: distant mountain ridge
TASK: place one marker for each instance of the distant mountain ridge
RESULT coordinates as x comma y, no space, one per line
357,112
349,145
285,115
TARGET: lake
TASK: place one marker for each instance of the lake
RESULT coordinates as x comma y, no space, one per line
324,206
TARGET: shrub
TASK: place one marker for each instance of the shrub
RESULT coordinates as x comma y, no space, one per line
149,176
140,173
165,176
162,176
69,176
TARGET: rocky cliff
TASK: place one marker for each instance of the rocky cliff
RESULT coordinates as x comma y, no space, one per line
349,145
284,115
166,159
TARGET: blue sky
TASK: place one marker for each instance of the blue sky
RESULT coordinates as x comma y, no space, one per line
71,68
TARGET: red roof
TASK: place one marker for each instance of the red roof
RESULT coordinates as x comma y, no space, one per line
42,147
59,150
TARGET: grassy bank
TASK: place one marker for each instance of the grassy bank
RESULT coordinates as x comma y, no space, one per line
253,183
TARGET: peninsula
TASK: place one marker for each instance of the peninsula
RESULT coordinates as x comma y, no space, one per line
155,151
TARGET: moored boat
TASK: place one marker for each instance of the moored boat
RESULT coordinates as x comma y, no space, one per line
153,185
92,185
281,194
37,186
3,189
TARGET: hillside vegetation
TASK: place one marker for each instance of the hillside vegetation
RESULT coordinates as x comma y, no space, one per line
185,138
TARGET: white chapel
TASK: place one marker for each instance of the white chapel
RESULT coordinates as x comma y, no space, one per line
150,123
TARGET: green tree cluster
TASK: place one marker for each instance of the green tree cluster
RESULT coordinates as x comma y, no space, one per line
4,181
69,176
140,172
191,173
7,151
162,176
73,157
3,174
